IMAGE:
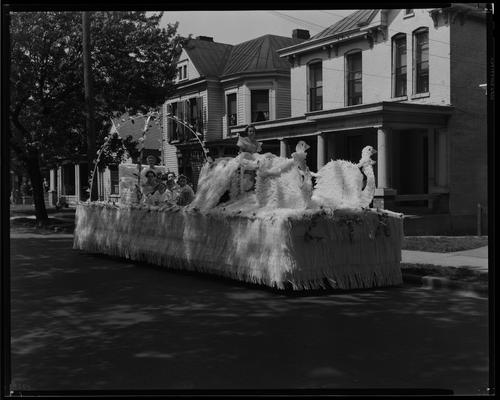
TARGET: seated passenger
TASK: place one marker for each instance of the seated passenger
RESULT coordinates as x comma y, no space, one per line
247,141
149,186
186,194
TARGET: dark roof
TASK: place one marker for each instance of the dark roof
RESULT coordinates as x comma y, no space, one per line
126,127
209,58
259,55
352,22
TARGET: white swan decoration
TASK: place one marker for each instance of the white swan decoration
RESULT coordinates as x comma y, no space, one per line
340,183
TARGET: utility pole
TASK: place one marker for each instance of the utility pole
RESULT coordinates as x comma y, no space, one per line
89,100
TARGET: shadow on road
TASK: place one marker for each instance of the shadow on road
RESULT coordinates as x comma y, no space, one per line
82,321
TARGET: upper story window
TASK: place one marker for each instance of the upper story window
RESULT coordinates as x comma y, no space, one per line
399,69
232,114
189,111
182,72
316,86
259,105
421,60
408,11
194,113
354,78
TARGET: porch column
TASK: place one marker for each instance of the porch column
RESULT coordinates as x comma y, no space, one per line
431,163
77,182
321,151
283,148
59,182
442,158
52,188
382,164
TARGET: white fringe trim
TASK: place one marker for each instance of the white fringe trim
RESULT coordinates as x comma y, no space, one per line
311,249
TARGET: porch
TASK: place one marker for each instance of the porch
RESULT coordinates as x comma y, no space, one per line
411,141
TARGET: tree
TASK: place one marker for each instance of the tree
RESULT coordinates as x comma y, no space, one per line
133,64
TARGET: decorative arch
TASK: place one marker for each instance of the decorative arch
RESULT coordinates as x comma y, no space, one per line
156,114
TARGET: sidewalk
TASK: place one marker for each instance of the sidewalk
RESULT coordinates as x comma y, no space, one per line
467,270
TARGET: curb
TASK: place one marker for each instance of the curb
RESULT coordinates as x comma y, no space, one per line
439,282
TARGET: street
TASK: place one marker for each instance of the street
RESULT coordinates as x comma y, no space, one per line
83,321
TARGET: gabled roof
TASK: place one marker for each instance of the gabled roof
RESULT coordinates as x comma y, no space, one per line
209,58
351,23
126,127
258,55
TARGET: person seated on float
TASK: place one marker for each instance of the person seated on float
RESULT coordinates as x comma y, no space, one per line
171,193
149,185
247,141
186,193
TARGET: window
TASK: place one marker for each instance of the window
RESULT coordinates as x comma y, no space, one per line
232,118
194,113
421,61
315,86
172,124
185,71
113,172
260,105
353,75
179,73
399,65
408,11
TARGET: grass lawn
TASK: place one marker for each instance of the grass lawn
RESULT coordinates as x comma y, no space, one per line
443,244
53,225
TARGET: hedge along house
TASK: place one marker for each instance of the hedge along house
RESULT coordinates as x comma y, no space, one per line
107,178
405,81
220,86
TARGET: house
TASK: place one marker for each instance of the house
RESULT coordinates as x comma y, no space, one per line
220,86
108,178
405,81
69,180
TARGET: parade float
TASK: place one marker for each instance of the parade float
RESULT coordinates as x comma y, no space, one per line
258,218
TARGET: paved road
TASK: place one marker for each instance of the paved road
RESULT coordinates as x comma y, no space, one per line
82,321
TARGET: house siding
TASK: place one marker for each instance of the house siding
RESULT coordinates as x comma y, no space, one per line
283,98
376,66
169,151
214,106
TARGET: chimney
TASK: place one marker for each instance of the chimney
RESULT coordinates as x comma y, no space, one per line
205,38
300,34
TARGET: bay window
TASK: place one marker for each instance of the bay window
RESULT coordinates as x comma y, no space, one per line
259,105
232,116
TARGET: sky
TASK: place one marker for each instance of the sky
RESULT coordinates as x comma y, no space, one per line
233,27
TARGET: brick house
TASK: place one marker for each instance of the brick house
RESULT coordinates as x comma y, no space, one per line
405,81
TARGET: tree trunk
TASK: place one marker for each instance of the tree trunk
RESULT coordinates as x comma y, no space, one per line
33,167
89,101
